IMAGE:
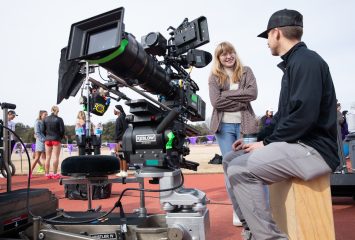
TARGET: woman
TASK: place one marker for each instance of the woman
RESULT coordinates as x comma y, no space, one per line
39,149
232,87
80,132
54,132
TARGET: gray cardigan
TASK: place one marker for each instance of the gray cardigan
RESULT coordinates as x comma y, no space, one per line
224,100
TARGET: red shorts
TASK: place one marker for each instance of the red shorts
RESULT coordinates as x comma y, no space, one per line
52,143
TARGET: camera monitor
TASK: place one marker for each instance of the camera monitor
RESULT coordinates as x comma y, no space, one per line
97,36
102,40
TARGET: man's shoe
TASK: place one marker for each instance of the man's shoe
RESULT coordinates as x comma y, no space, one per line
236,221
40,169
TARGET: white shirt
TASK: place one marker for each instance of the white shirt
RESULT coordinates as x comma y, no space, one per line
232,117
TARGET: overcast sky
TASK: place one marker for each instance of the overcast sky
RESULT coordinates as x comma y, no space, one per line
33,33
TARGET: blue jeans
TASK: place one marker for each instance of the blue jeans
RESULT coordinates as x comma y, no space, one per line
228,133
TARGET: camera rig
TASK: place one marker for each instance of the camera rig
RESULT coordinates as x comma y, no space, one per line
157,133
155,138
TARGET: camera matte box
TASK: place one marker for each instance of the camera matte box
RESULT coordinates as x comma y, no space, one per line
97,36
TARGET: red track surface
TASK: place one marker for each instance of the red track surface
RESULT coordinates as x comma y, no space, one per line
212,184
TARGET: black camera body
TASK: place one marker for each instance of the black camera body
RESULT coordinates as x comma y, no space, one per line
156,136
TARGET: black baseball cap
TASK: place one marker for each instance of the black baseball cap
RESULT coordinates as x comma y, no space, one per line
12,112
283,18
119,108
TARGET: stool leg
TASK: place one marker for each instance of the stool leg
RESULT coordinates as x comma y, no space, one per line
89,188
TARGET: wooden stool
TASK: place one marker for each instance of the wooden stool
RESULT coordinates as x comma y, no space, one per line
303,210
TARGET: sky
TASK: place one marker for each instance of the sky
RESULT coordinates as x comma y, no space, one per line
33,33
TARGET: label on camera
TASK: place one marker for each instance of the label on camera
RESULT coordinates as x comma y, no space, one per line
104,236
148,138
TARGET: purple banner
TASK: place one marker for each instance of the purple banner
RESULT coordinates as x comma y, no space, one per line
70,148
33,147
111,146
192,140
210,137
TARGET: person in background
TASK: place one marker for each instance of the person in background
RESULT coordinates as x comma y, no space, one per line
12,125
99,129
344,133
120,128
267,118
80,131
54,133
342,121
300,142
232,87
39,149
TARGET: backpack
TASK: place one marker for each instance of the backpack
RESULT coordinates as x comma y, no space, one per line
217,159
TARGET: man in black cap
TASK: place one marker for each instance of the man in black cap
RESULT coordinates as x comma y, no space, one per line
301,140
11,114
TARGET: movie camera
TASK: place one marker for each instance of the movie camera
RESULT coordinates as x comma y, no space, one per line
155,138
157,134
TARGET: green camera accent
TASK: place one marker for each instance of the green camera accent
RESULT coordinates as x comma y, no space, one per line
151,162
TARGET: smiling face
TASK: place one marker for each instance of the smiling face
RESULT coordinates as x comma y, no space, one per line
227,59
44,115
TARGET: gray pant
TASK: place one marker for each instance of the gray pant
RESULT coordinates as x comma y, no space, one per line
276,162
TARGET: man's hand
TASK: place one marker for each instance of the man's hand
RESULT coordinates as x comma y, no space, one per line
251,146
237,145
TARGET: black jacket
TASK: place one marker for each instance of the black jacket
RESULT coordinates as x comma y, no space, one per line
121,126
53,128
307,105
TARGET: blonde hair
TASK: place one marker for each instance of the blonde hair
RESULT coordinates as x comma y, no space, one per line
40,114
81,115
217,67
55,110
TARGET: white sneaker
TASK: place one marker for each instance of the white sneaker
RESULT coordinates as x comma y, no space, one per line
124,174
236,220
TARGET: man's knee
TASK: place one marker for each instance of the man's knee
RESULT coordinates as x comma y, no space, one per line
230,156
237,174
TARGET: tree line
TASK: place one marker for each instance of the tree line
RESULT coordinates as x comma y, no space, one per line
26,132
